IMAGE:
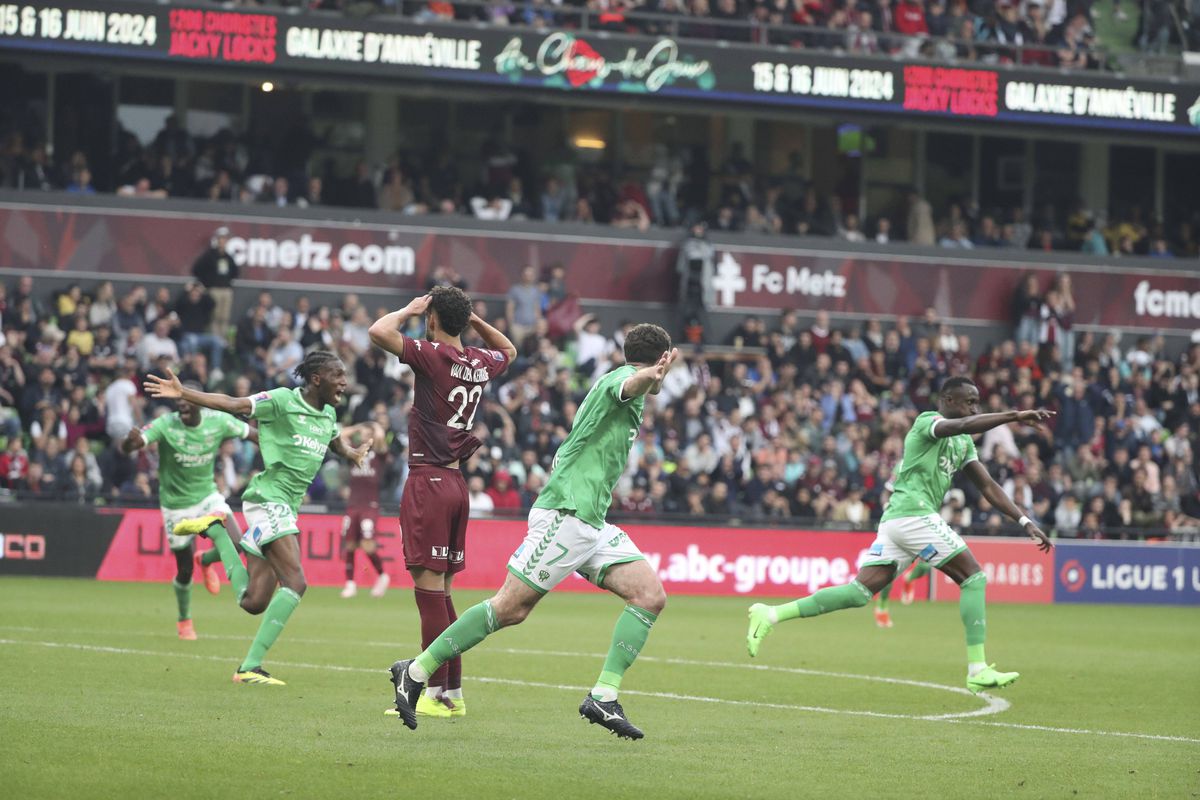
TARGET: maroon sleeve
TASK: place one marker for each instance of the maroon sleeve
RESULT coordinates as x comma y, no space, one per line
419,354
495,361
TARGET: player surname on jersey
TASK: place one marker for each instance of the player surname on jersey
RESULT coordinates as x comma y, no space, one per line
464,373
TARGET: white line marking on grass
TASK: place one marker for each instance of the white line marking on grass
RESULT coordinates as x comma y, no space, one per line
992,705
659,695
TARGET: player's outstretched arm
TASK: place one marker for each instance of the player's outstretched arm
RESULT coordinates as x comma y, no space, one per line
169,388
493,338
996,496
648,380
355,455
980,423
385,331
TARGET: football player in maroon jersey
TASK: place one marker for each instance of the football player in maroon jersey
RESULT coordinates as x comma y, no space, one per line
449,380
362,506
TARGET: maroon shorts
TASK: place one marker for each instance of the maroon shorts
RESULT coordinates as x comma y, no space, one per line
359,525
433,519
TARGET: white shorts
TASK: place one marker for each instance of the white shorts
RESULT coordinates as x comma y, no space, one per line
558,544
904,539
265,523
213,504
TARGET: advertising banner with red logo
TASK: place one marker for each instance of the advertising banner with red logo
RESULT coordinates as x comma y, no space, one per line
1017,572
581,61
1152,573
114,243
703,561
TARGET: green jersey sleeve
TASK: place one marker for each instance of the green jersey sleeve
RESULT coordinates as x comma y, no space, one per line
153,431
267,406
972,453
235,428
923,425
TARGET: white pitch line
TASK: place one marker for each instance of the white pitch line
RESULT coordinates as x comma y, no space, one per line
659,695
992,705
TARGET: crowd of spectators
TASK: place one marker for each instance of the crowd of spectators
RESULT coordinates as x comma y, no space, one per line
806,423
1042,32
678,188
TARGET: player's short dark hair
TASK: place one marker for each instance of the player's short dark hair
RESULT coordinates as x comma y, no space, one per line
453,308
314,361
645,344
950,384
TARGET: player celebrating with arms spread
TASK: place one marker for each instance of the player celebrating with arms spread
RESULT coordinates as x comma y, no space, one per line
449,381
188,440
568,533
937,447
296,427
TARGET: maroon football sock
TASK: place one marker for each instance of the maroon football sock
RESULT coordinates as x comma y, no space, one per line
376,562
349,556
454,665
431,606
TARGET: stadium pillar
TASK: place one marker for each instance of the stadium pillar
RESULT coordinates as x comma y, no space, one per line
383,126
1093,174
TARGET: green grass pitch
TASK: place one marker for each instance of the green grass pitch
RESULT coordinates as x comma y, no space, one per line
101,700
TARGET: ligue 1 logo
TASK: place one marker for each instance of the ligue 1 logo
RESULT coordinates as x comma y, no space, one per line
1073,576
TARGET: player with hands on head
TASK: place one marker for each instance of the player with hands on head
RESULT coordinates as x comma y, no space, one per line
935,449
449,381
295,429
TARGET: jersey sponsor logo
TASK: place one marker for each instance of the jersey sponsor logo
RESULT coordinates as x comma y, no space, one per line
928,554
456,556
194,459
875,550
313,446
439,551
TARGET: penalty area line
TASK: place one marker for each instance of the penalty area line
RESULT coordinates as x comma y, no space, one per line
660,695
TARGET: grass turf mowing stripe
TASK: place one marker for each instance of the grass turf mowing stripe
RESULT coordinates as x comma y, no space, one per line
658,695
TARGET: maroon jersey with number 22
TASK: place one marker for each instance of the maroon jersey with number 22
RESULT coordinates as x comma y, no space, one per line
446,395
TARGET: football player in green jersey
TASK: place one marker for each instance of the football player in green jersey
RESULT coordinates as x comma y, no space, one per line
568,533
188,440
295,429
938,446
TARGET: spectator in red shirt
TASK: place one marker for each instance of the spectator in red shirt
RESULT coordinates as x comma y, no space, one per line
910,18
503,495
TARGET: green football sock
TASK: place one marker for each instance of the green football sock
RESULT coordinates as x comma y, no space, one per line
972,607
833,598
881,600
235,570
183,598
475,625
920,570
628,639
274,618
210,556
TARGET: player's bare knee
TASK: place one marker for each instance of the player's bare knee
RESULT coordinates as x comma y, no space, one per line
653,599
296,583
253,605
509,611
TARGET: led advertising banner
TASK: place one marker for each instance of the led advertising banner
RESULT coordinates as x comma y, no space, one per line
116,243
387,47
1159,574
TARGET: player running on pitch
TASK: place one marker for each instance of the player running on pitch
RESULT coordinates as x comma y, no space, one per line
568,533
295,429
449,380
937,447
188,440
362,507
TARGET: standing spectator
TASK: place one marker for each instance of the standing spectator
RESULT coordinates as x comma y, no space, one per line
195,308
253,339
920,220
122,404
1027,309
217,271
696,266
523,308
